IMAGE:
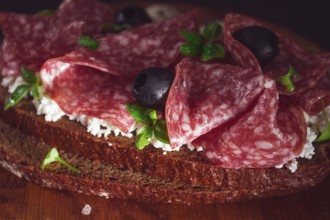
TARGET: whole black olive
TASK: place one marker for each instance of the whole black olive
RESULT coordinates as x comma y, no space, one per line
263,42
151,86
132,15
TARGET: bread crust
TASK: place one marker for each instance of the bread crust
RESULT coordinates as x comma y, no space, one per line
177,177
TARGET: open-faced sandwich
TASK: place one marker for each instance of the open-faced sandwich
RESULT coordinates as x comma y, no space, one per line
152,104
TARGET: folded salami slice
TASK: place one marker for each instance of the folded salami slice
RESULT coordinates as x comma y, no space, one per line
32,39
204,96
127,53
314,100
72,77
310,67
94,14
86,91
268,135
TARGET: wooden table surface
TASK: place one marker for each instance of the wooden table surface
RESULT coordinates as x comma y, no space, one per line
20,199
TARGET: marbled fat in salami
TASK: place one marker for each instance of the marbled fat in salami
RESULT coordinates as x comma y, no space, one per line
94,14
85,91
310,67
31,39
268,135
127,53
204,96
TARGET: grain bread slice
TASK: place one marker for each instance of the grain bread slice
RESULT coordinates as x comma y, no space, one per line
115,168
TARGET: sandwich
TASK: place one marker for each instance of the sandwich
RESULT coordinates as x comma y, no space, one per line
121,102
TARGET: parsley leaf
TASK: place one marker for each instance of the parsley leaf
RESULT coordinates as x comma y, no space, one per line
160,131
212,32
139,113
113,27
211,51
192,38
14,98
53,156
28,75
32,84
151,126
46,12
143,137
204,46
325,135
190,49
286,80
88,42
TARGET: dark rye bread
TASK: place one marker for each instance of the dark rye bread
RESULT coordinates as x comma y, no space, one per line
22,155
122,171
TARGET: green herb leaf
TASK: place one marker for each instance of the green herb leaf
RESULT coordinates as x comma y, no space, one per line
212,32
53,156
195,46
286,79
152,126
28,75
139,113
160,131
111,27
35,91
190,49
143,137
211,51
152,114
46,12
192,38
86,41
325,135
16,96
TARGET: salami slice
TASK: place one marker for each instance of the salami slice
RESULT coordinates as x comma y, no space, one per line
98,82
204,96
314,100
87,91
264,137
94,14
310,67
127,53
239,52
39,38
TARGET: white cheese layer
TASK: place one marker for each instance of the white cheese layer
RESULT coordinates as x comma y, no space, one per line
101,128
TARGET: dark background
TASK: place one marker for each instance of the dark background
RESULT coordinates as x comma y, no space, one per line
310,19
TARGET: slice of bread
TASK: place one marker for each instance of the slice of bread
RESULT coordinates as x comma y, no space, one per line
114,168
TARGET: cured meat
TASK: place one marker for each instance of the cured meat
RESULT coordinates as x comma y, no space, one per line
204,96
310,67
239,52
314,100
94,14
127,53
86,91
75,76
43,37
39,38
264,137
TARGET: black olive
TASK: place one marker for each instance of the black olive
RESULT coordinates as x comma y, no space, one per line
132,15
263,42
151,86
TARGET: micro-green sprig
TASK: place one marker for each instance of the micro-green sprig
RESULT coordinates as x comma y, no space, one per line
151,126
